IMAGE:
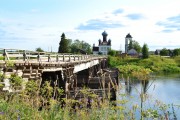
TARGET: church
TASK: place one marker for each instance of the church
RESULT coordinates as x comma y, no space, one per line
132,51
104,45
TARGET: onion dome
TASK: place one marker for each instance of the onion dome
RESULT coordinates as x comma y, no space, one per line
104,33
128,35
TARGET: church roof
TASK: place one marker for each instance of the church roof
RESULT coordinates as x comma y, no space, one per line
104,33
128,35
132,52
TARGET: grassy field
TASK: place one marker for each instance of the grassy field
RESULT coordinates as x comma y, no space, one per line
153,63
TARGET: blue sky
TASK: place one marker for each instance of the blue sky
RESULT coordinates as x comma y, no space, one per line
28,24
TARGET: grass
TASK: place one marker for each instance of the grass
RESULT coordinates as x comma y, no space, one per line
154,63
1,58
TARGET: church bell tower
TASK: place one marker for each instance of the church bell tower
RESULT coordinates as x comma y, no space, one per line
127,39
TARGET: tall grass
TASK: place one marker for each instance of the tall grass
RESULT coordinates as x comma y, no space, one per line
36,102
154,63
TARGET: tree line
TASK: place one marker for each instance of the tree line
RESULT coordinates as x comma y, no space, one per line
168,52
77,46
133,44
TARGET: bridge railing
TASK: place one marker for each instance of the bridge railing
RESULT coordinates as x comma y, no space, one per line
25,55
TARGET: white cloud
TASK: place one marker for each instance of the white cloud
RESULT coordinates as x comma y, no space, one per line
143,30
44,30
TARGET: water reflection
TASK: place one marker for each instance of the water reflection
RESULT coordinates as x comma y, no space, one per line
164,88
128,87
130,83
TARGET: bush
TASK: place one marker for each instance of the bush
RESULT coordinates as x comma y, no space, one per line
112,52
1,58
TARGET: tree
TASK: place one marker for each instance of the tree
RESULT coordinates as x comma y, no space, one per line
64,44
39,49
164,52
134,45
112,52
130,45
145,53
78,46
176,52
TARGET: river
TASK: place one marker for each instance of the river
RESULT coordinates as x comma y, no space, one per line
161,89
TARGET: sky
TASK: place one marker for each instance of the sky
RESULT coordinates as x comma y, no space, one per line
29,24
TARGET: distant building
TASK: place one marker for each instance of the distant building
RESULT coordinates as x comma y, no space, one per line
127,39
132,52
103,47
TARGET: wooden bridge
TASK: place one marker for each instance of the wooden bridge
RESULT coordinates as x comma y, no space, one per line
67,70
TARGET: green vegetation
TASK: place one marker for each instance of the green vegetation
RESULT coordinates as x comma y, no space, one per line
80,46
145,51
164,52
77,46
134,45
35,102
1,58
39,49
63,45
176,52
177,60
154,63
112,52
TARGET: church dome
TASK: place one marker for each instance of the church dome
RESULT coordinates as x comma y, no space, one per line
128,35
104,33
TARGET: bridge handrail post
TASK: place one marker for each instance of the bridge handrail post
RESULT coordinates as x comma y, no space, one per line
57,58
86,56
49,58
38,57
24,55
69,58
74,58
5,55
78,57
63,58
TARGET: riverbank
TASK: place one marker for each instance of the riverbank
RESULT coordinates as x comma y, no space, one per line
154,63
